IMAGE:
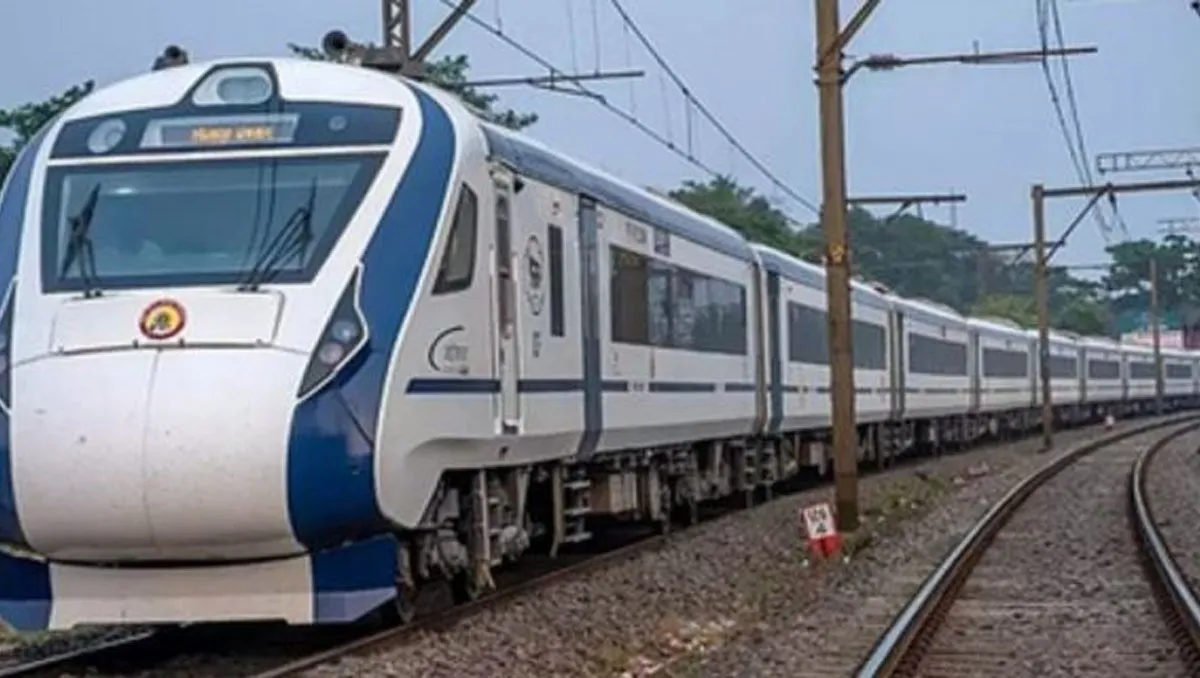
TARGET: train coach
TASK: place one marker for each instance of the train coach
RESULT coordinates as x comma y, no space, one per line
1139,375
797,350
1179,379
1005,381
288,340
1104,382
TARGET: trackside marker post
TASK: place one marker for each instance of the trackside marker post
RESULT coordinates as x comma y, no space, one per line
821,530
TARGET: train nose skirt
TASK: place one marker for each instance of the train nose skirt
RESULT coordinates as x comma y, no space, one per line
334,586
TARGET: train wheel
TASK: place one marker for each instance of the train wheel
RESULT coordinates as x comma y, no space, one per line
404,607
687,509
464,588
746,498
665,506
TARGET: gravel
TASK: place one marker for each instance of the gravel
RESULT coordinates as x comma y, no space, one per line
736,597
1062,591
20,648
1173,491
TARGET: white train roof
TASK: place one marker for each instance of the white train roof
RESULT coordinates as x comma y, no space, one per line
299,80
537,161
996,324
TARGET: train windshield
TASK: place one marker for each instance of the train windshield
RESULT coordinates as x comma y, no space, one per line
204,222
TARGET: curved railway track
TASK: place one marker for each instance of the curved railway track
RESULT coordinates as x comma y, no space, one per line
280,653
985,611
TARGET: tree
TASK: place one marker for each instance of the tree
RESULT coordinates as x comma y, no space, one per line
450,74
1128,281
23,122
741,209
1017,308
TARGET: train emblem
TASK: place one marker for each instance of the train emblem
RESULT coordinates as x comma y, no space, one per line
162,320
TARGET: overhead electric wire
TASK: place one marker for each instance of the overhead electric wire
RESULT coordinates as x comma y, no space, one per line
704,111
629,117
1074,107
1078,154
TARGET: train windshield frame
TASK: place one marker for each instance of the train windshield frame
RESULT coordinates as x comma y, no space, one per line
196,222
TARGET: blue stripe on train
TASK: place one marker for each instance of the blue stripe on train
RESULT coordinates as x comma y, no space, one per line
331,469
461,385
13,203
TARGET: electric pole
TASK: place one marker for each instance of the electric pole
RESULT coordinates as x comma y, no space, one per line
830,43
397,34
1041,282
398,55
906,201
832,40
1041,296
1156,336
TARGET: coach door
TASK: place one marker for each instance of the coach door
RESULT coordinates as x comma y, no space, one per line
589,278
508,356
776,352
975,348
899,371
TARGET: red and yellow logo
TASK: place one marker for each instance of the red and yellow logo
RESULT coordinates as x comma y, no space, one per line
163,319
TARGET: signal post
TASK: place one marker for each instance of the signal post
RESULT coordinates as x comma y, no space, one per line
1041,281
832,39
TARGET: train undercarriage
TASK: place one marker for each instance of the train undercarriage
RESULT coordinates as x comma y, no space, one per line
483,520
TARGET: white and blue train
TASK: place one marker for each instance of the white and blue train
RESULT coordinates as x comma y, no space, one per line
283,340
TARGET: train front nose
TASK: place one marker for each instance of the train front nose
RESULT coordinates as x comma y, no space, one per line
153,455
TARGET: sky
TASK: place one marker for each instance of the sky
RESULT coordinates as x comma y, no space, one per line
988,132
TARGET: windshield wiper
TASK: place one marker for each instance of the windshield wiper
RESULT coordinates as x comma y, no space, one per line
291,241
79,245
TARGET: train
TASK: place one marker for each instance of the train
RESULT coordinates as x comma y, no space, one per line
291,341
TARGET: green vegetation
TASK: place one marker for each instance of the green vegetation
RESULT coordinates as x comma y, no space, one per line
912,256
23,122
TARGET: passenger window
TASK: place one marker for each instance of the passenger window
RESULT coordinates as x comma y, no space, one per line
458,260
556,281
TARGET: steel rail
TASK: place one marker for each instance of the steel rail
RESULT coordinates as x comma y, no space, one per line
88,652
448,617
1176,596
899,648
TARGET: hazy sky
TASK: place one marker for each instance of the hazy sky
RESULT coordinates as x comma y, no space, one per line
986,131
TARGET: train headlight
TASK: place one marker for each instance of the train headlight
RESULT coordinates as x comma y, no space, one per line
344,334
331,353
235,86
344,331
106,136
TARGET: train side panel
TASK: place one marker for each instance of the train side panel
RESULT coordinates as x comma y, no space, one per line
1004,366
937,365
1139,371
1066,383
1177,373
1103,371
798,346
678,337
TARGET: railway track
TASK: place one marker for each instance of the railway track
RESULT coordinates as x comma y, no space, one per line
266,653
1052,582
272,653
21,665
